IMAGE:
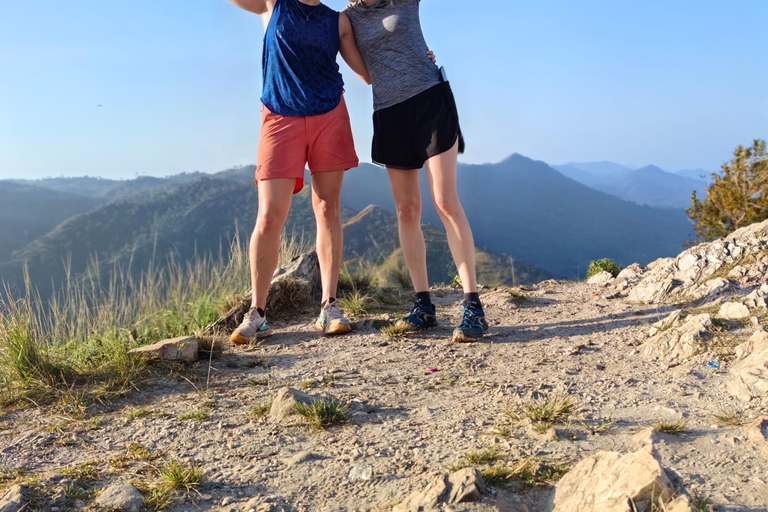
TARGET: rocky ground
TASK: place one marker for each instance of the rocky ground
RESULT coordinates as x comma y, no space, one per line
627,355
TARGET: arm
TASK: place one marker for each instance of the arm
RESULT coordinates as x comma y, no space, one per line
255,6
349,50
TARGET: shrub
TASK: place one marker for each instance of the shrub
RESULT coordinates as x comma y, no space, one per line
604,265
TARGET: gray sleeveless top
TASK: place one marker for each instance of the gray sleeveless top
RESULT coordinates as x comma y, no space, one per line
392,44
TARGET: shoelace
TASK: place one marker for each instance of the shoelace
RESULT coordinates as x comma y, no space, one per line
469,318
334,313
417,307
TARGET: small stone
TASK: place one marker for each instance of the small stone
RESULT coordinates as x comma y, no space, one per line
182,349
601,278
757,432
118,497
361,474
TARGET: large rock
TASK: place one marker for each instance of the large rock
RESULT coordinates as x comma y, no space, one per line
284,405
612,482
13,500
682,339
182,349
122,498
601,278
733,311
299,281
462,486
757,432
698,273
749,373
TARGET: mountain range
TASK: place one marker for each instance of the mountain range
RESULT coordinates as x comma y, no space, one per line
522,211
648,185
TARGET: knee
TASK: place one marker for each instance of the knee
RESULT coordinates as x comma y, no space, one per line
448,207
328,211
409,212
269,223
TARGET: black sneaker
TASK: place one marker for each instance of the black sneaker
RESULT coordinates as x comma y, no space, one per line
473,326
422,316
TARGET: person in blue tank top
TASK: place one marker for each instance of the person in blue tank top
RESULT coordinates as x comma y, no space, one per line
304,121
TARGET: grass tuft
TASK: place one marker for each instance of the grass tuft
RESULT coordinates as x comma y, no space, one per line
356,303
480,457
325,412
397,330
671,427
194,415
729,418
262,409
551,409
177,475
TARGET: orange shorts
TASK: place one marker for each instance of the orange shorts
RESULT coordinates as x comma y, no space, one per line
288,144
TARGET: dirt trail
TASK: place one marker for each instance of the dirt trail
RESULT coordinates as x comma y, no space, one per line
409,425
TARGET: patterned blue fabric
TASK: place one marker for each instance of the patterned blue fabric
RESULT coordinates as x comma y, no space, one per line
301,76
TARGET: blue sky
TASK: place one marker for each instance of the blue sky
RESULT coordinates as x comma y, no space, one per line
678,84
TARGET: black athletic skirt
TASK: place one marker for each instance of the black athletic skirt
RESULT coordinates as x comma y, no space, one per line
406,135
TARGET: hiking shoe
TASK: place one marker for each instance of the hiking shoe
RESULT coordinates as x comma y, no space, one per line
254,327
331,321
422,316
473,326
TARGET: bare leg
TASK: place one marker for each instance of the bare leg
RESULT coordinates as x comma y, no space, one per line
441,171
326,201
274,203
405,187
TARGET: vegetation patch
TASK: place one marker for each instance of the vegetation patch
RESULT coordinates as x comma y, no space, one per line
672,427
177,475
262,409
194,415
356,303
604,265
397,330
325,412
729,418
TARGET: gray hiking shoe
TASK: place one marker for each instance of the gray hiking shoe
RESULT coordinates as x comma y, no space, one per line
331,321
254,327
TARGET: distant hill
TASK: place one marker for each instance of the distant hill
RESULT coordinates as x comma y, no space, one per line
28,212
106,190
655,187
696,174
372,236
200,217
600,169
525,209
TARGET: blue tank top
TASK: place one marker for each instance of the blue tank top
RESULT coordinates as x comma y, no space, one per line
300,73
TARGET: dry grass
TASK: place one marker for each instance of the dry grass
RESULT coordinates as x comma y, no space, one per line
729,418
550,409
397,330
671,427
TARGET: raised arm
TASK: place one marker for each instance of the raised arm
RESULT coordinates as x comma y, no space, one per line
255,6
349,50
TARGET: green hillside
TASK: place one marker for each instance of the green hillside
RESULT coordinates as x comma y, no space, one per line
526,209
28,212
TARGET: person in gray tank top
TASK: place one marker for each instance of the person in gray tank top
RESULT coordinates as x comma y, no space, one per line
416,124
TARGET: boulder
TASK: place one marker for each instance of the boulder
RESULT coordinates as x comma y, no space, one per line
612,482
299,282
284,405
733,311
13,500
182,349
120,498
646,437
681,341
749,373
667,323
462,486
601,278
696,274
757,432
